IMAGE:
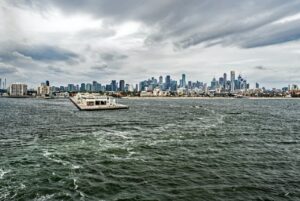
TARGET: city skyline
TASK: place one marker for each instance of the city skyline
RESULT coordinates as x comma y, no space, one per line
104,40
181,82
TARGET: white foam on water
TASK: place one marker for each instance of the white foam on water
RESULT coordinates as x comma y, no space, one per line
220,119
4,195
3,172
46,154
75,185
22,186
75,167
44,198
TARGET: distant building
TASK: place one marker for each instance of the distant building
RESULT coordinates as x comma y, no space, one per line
257,85
168,82
71,88
47,83
122,85
225,81
173,86
43,90
214,84
114,86
18,90
160,80
82,87
232,81
183,81
88,87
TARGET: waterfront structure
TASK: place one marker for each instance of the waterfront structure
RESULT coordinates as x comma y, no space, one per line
43,90
89,102
18,90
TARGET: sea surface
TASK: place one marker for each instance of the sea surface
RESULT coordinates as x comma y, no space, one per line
164,149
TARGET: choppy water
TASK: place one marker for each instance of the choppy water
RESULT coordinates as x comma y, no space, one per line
158,150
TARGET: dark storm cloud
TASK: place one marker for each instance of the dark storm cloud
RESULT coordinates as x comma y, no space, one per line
7,69
99,67
56,70
48,53
11,52
189,23
260,68
113,57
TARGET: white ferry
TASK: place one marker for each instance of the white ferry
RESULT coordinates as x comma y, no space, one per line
91,102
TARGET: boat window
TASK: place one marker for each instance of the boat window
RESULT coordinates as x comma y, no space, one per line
103,102
90,103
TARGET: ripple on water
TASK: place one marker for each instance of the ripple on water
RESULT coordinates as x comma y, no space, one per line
157,150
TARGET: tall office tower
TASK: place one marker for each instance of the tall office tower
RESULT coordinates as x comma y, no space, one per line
0,83
221,81
4,83
88,87
257,85
82,87
122,85
183,81
168,82
161,79
239,82
94,86
114,85
225,80
232,81
47,83
136,87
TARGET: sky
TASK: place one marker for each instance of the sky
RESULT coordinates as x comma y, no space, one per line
84,40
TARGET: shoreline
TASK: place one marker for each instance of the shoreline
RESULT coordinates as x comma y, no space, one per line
208,98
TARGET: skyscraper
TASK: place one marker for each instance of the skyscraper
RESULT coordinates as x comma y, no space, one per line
114,85
82,87
95,86
168,82
47,83
161,79
257,85
183,81
122,85
0,83
232,81
225,80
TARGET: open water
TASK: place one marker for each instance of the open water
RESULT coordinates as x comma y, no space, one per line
219,149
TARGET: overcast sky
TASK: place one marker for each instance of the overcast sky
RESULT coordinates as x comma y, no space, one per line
74,41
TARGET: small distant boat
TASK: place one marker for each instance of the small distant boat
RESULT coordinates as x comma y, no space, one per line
240,96
90,102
